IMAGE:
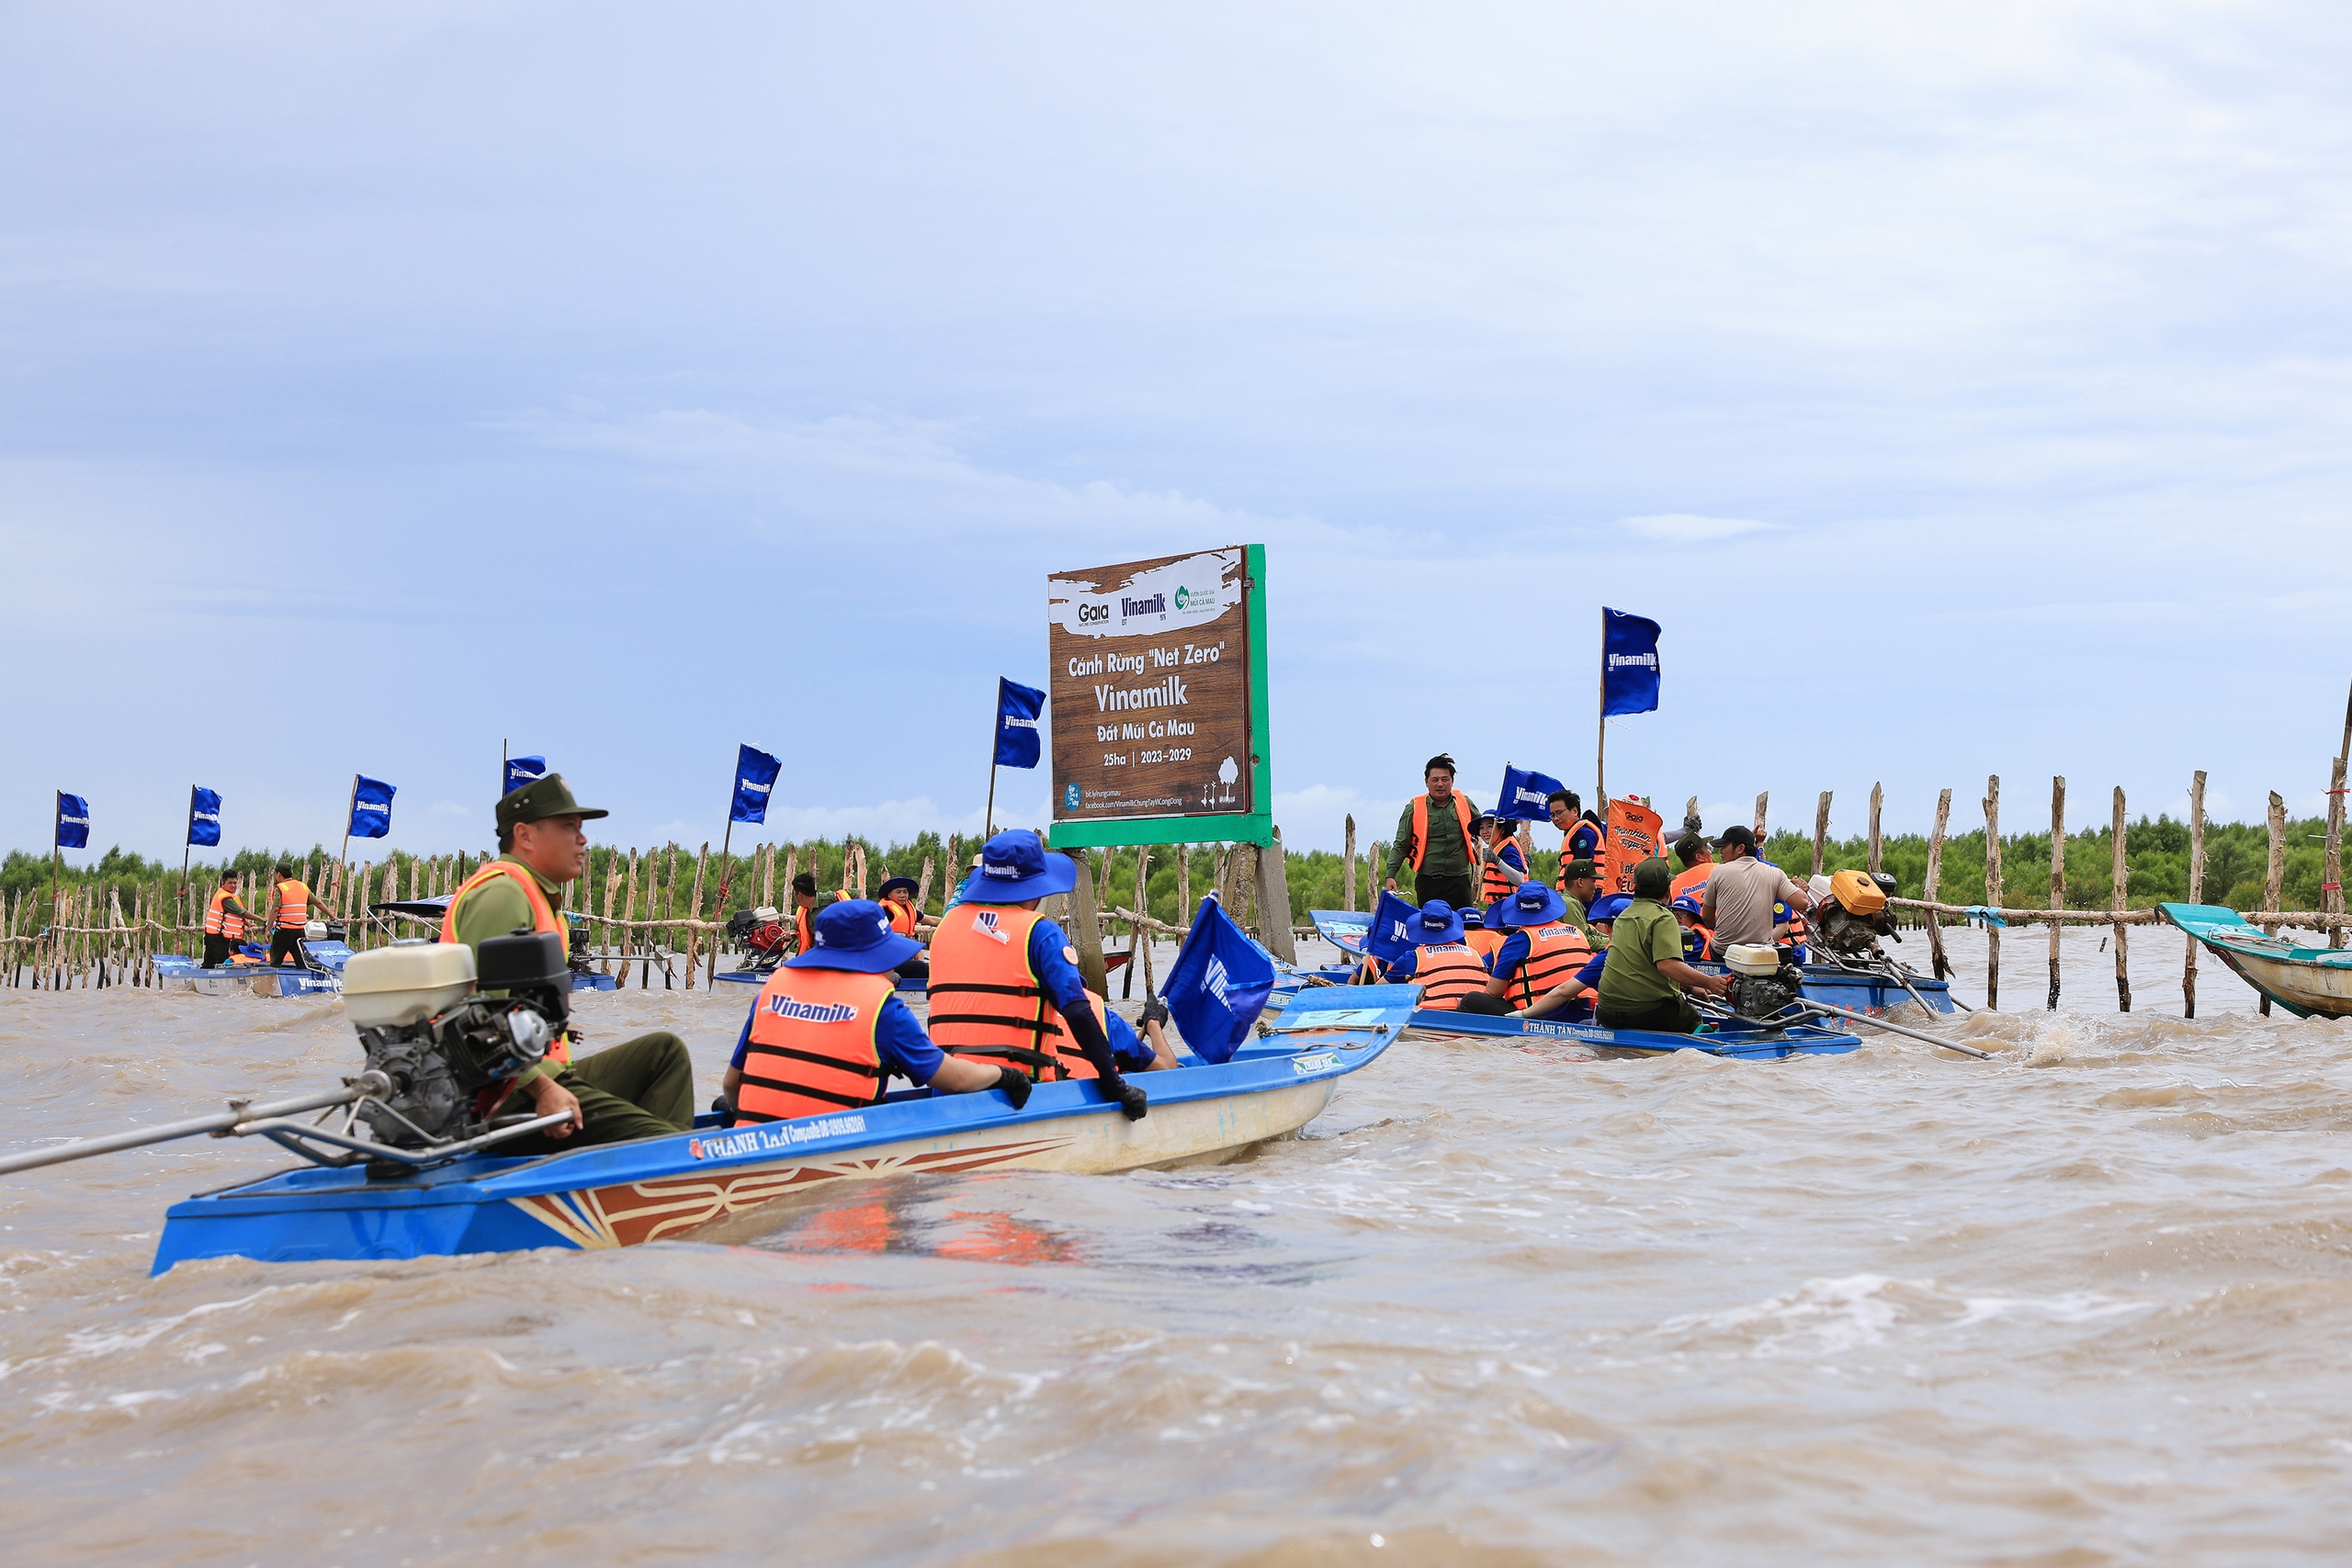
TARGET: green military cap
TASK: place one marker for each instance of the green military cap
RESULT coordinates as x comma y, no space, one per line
1581,868
540,799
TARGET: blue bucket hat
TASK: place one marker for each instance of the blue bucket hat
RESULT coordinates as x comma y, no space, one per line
1608,907
1688,904
1436,925
1532,904
1016,868
855,935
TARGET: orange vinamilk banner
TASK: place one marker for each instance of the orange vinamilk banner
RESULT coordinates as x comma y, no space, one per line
1634,835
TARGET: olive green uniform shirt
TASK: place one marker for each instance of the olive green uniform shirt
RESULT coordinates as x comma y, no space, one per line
1645,935
1576,916
496,908
1449,851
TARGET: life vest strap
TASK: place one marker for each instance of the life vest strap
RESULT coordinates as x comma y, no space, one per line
757,1048
1035,1026
1020,1053
802,1092
976,987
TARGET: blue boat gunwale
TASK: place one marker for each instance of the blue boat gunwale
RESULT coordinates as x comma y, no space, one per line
1258,1066
1793,1039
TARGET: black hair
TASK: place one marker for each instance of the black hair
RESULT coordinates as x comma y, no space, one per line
229,875
1690,850
505,841
804,883
1566,795
285,870
1440,760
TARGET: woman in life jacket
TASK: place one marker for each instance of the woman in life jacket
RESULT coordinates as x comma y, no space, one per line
828,1032
1501,868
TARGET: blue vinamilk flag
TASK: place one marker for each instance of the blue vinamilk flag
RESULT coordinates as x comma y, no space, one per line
1017,707
1523,794
755,776
1628,663
72,821
1390,937
371,807
1218,984
203,816
521,771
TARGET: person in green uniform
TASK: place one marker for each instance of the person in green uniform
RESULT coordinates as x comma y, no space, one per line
1580,883
1445,867
1641,986
641,1089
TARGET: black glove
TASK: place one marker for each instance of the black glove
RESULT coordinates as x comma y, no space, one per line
1155,1011
1131,1097
726,1111
1015,1087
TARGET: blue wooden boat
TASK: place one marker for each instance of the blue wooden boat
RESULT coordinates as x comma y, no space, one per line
322,975
690,1183
2309,982
1742,1042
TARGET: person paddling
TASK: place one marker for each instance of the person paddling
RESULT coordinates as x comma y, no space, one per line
828,1032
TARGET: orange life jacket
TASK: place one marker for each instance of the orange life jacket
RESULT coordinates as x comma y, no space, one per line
1484,943
1568,856
220,919
1421,829
293,905
1706,947
988,1004
902,916
1555,954
812,1045
804,932
1445,975
1691,877
543,919
1493,885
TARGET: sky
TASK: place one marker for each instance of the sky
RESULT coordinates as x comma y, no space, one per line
1964,388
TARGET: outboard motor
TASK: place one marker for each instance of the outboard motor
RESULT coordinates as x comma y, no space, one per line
761,934
1851,921
1763,983
425,1028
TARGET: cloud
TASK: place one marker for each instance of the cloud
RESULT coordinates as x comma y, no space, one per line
1690,528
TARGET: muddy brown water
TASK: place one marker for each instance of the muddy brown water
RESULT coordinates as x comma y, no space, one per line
2086,1304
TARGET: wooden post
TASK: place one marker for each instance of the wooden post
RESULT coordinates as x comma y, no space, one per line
2122,873
1993,892
2331,891
2277,876
1934,885
628,926
1183,884
609,937
2057,878
693,938
1273,900
2195,887
1878,840
1348,870
1761,801
1137,941
1820,832
1085,930
923,886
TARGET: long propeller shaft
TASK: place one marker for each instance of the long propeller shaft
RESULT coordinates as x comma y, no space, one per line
238,1113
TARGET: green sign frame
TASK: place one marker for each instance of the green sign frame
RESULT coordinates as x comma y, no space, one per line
1255,826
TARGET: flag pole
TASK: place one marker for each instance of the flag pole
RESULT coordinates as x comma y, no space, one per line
987,820
1601,747
185,851
348,807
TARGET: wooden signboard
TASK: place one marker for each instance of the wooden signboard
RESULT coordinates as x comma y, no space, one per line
1158,700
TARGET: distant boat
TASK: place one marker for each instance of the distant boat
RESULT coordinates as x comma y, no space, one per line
2310,982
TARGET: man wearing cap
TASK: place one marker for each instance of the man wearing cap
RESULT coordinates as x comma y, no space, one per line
1540,951
1640,985
1433,837
1741,891
1580,886
827,1032
1003,988
1445,967
641,1089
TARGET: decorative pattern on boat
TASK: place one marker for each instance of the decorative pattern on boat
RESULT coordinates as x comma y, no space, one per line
635,1212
